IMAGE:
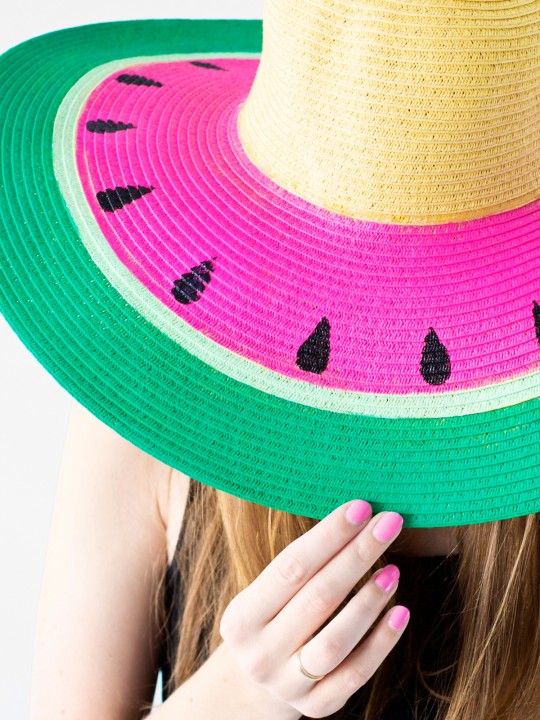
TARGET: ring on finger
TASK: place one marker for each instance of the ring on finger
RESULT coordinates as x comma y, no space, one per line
303,669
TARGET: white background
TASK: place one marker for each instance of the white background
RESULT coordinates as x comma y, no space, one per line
34,409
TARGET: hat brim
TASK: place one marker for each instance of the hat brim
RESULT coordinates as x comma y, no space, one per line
435,471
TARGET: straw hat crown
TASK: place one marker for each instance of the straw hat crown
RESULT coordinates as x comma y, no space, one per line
414,112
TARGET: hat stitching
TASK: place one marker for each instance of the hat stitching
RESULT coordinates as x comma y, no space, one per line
189,288
107,126
137,80
207,66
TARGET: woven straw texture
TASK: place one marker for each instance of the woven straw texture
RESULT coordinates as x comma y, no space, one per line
84,296
441,118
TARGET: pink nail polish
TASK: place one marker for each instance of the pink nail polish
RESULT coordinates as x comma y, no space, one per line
398,617
387,526
387,578
358,511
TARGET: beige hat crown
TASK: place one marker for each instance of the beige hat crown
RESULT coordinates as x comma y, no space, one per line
415,112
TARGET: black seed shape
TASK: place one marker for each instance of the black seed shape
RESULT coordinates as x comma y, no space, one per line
313,353
536,316
100,126
189,287
435,363
137,80
111,200
206,65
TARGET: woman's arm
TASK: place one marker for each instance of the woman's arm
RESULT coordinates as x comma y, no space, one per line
219,690
95,653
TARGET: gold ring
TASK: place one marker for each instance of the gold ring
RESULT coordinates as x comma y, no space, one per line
303,669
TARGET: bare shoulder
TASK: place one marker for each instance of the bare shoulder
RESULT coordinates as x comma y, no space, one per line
166,488
89,435
105,558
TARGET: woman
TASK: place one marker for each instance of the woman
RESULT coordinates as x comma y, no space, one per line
100,637
306,272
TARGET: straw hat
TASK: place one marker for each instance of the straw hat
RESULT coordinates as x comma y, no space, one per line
297,260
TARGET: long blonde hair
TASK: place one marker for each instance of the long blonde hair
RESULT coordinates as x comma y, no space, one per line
482,644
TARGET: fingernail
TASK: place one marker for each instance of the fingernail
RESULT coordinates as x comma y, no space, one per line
398,617
387,578
358,511
387,526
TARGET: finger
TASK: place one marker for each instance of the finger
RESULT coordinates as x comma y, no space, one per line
292,568
329,648
332,692
318,598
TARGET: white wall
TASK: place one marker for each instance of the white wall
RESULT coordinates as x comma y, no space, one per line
34,409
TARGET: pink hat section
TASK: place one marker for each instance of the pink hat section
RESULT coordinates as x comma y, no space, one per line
283,265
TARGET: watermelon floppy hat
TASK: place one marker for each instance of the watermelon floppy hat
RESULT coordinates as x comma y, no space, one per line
296,259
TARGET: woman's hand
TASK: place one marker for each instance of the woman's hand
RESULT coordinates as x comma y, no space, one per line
265,624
